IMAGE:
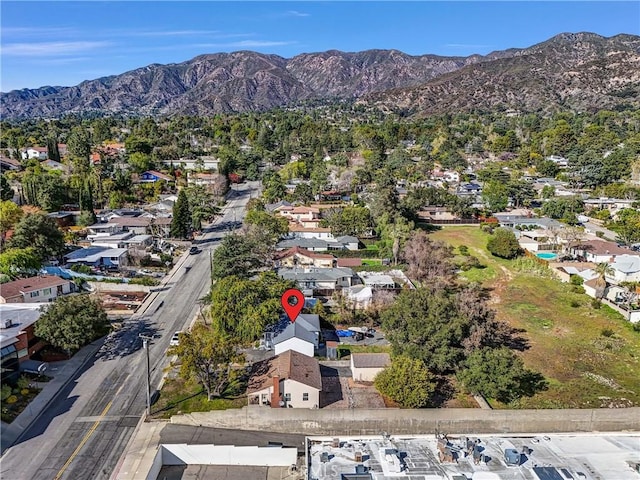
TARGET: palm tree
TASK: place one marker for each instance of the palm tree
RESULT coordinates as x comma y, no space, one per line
602,270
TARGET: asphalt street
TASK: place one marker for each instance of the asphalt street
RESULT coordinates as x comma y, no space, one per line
86,428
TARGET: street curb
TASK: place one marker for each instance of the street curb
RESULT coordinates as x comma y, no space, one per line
96,347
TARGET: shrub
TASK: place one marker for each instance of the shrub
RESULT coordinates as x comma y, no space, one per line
503,244
576,280
599,234
24,391
464,250
146,261
146,281
5,393
23,382
596,303
607,332
12,399
574,303
86,269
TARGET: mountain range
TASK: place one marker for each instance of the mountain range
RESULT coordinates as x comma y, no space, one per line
575,71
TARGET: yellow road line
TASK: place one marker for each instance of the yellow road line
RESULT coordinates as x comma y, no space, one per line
85,438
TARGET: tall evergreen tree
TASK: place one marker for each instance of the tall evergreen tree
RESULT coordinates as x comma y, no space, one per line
181,222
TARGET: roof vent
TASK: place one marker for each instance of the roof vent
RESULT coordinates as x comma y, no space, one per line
6,323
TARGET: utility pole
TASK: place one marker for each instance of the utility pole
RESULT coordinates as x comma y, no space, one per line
145,345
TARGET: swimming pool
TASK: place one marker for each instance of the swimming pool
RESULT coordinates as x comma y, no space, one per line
547,255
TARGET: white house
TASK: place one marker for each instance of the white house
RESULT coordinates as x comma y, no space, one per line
39,153
599,251
626,268
297,230
302,336
40,289
288,380
365,366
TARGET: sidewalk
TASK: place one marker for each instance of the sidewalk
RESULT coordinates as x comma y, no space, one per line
65,373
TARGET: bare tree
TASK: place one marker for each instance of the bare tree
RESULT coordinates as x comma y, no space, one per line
430,262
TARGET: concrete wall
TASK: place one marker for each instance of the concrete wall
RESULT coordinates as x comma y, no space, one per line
118,287
365,374
401,421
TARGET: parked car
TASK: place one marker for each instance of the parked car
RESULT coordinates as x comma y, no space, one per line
175,340
194,250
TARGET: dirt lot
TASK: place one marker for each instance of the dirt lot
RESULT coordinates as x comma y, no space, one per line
340,391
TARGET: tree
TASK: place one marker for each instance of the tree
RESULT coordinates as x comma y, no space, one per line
181,220
627,225
302,193
86,218
10,214
40,232
274,226
140,162
427,325
72,321
503,244
242,308
498,373
429,261
354,221
237,255
274,187
19,262
406,381
495,195
205,355
6,192
602,270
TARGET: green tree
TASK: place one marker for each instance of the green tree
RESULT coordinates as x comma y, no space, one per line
205,355
428,326
406,381
10,215
242,308
181,220
86,218
274,187
6,192
274,226
40,232
500,374
602,270
237,255
19,262
302,193
354,221
72,321
627,225
79,143
140,162
495,196
503,244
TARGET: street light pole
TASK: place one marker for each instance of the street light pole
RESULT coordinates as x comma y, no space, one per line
145,345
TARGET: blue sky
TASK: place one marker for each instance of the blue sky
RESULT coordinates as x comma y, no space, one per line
66,42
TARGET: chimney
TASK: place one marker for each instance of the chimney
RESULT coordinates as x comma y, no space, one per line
275,396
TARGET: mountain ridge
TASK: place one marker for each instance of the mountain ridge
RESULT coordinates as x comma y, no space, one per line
570,70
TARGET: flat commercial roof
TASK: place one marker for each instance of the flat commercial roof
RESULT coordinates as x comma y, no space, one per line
544,457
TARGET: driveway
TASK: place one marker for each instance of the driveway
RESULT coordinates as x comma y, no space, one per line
340,391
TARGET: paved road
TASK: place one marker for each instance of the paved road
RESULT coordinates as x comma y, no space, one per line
85,430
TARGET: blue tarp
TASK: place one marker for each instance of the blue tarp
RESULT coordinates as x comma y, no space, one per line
68,274
345,333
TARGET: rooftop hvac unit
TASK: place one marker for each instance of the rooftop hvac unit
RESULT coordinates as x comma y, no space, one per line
6,323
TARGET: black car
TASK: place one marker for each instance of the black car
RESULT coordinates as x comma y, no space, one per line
194,250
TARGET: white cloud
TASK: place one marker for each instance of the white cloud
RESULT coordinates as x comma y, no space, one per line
43,49
243,44
295,13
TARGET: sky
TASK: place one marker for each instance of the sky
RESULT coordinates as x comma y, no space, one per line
63,43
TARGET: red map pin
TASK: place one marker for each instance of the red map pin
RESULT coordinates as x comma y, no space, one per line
292,309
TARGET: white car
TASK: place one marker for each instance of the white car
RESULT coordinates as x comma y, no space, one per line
175,340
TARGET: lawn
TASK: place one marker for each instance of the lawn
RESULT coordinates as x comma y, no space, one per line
590,356
346,350
178,397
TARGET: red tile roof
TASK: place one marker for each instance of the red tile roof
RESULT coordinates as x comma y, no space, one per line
302,251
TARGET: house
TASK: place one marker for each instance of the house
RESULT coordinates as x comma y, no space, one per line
39,153
17,338
561,162
98,257
39,289
296,230
359,296
53,165
161,226
436,213
510,220
215,182
151,176
345,242
201,163
63,219
614,205
279,206
297,256
311,244
138,225
599,251
303,335
103,230
7,163
319,281
626,268
471,188
300,214
288,380
365,366
378,281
